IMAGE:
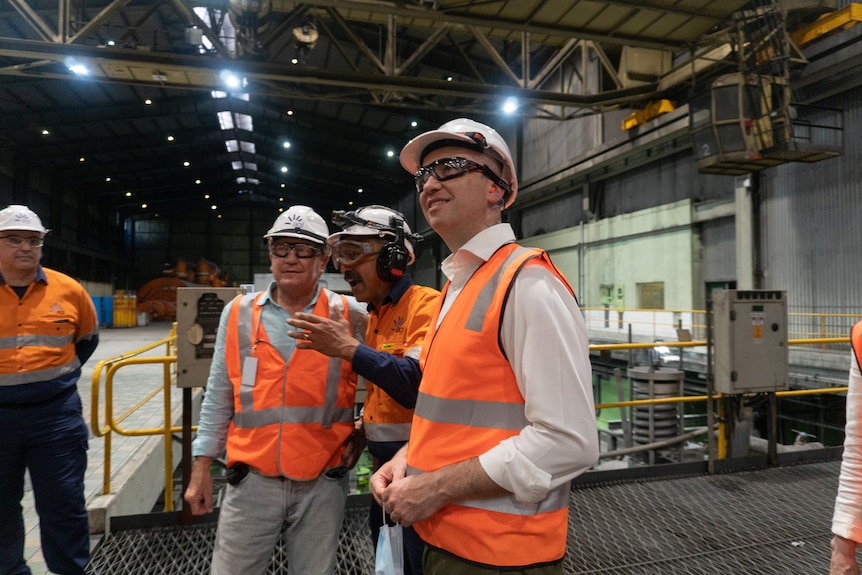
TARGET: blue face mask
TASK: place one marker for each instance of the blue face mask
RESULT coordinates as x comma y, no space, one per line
389,559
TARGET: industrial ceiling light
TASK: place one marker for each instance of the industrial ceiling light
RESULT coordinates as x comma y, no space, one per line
194,35
510,105
232,80
305,39
77,67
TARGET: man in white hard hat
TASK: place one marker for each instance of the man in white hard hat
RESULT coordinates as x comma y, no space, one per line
48,329
505,414
373,250
285,415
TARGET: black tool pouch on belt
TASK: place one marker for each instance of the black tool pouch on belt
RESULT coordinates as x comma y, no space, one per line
237,473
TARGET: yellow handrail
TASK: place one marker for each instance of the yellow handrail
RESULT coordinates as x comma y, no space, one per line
646,321
694,398
112,424
624,346
168,361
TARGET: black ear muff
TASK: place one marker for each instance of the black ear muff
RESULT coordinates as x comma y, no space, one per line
393,258
392,262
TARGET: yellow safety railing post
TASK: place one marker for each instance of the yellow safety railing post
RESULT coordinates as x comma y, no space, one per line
112,424
169,447
823,330
721,446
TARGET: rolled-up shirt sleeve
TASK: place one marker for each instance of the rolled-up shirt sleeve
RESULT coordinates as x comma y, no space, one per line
217,406
847,518
545,338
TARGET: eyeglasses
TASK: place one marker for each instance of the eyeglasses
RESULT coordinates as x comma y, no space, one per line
446,169
282,250
350,252
18,241
450,168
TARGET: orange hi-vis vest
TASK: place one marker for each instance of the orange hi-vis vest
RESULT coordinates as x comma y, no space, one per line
468,403
290,419
856,342
398,329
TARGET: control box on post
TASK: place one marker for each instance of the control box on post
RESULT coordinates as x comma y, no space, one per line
198,313
750,328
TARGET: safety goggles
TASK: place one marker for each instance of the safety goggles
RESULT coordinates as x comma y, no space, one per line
451,168
283,249
352,252
18,241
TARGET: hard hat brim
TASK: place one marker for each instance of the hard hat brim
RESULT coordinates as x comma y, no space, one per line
360,231
299,234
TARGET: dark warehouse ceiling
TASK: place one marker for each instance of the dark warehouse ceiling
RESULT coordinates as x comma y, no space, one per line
375,67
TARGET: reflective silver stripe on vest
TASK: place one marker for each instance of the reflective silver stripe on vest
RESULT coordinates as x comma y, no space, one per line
245,333
486,294
472,413
556,499
39,375
244,327
249,417
35,340
285,414
387,431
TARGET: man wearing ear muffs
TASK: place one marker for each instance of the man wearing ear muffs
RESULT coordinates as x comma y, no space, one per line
373,251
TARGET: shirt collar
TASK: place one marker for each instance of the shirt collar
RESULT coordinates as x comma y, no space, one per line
265,297
479,248
40,275
398,289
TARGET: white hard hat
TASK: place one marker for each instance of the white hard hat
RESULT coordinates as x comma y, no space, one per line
464,133
21,218
299,222
376,221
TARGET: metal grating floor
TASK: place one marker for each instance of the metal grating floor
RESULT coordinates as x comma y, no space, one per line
758,522
772,521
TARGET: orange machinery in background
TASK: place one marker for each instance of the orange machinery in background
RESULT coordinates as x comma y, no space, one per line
158,297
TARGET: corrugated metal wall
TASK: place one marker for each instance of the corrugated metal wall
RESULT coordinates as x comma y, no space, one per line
662,183
560,213
719,250
811,224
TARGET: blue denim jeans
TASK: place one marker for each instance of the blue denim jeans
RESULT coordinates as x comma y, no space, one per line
259,508
50,440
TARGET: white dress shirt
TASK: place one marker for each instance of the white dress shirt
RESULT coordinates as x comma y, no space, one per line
545,338
847,519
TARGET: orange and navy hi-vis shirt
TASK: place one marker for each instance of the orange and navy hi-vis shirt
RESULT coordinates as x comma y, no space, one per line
397,328
38,337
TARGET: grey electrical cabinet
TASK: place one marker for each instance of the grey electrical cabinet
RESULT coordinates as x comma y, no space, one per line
750,341
198,313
